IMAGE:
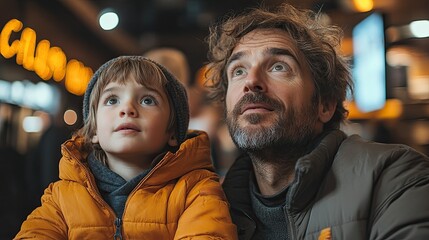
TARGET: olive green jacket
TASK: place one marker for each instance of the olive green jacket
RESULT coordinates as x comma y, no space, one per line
345,188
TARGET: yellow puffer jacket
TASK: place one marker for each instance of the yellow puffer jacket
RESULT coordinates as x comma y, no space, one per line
180,198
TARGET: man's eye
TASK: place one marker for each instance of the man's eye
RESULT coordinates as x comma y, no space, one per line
238,71
279,67
148,101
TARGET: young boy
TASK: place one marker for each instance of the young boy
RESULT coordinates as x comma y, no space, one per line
132,171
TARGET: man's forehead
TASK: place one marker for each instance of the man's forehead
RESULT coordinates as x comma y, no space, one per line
268,42
267,38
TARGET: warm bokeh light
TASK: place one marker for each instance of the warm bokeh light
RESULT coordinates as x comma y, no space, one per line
363,5
77,77
392,110
7,50
70,117
347,46
40,66
46,61
25,54
57,63
398,56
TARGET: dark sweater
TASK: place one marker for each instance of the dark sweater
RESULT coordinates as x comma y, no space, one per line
270,214
113,188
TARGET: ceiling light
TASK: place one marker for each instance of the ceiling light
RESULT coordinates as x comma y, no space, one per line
108,20
420,29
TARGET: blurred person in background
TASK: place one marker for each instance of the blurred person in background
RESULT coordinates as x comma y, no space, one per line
204,114
208,116
12,189
283,81
42,159
174,60
177,63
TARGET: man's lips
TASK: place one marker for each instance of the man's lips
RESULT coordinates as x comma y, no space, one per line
126,127
256,107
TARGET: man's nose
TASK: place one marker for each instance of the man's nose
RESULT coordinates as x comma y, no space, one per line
255,82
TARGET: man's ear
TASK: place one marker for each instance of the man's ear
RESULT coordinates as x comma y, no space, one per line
326,111
95,139
173,140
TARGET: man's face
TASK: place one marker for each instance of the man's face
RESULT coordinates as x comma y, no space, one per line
270,101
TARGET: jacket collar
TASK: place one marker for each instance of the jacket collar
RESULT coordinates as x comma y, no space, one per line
236,186
311,169
309,173
192,154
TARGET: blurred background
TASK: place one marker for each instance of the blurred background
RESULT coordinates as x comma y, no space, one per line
50,48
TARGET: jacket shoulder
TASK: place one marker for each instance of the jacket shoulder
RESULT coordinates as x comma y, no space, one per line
358,150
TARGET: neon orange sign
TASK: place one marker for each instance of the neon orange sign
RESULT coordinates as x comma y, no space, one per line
46,61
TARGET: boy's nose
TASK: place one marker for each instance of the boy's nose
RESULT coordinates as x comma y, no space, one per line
128,110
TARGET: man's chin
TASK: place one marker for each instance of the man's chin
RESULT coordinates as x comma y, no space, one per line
253,119
251,128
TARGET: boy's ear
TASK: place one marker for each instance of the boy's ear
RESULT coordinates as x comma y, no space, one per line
326,111
173,140
95,139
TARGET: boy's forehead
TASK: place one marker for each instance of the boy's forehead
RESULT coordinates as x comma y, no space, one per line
135,84
133,78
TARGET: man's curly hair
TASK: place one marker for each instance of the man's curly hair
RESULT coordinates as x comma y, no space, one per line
319,44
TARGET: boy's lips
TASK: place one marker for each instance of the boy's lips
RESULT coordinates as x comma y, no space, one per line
127,126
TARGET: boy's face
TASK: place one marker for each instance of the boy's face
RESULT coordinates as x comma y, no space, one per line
132,122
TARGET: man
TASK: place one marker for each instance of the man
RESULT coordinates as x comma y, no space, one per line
284,81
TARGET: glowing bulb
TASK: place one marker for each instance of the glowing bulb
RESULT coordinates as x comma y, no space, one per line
420,28
109,20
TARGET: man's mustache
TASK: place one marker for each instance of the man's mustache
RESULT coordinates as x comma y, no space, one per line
254,98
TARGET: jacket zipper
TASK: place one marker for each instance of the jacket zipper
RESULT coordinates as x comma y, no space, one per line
97,196
290,227
118,221
143,180
118,232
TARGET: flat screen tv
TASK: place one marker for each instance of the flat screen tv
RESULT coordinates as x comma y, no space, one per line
369,63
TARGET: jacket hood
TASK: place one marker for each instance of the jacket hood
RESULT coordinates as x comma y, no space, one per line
192,154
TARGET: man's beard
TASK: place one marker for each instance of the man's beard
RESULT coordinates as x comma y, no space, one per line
288,136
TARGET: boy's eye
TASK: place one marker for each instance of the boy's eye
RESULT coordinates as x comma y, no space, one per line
111,101
148,100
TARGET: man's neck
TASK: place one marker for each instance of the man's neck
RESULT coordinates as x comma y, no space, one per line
275,167
273,177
